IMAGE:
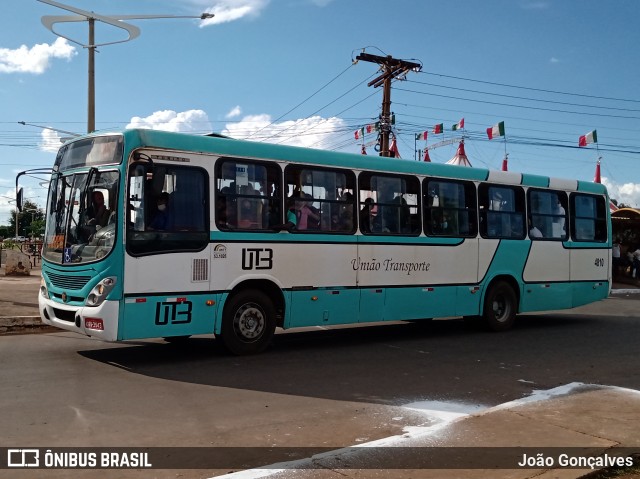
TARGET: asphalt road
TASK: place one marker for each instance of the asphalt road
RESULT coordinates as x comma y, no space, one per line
327,388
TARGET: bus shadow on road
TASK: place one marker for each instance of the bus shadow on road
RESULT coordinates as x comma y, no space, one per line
381,364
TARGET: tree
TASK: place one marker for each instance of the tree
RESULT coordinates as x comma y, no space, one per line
31,213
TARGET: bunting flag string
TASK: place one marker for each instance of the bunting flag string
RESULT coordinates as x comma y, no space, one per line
422,136
439,128
370,128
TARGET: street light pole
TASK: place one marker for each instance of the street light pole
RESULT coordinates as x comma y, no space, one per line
115,20
91,87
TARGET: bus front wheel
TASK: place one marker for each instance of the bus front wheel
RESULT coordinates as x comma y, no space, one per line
500,307
248,322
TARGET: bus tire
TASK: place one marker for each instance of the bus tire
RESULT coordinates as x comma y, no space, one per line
500,307
248,322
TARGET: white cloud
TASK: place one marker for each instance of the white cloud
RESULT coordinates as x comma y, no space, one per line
50,140
35,59
236,111
627,193
231,10
191,121
314,132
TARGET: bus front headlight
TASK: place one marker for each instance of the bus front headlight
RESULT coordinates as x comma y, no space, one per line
100,291
43,288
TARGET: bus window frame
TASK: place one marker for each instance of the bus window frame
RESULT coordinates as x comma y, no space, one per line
519,199
274,202
368,175
564,202
599,221
160,237
351,183
472,209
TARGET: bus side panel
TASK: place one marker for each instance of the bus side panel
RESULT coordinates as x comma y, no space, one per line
504,258
546,275
372,304
590,268
323,307
419,302
546,296
468,297
163,316
589,291
166,295
468,301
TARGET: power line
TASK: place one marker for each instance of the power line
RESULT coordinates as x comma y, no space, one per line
531,88
503,95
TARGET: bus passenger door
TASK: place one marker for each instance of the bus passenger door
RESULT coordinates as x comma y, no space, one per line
323,290
367,264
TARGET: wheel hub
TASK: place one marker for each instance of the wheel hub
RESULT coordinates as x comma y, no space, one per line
249,322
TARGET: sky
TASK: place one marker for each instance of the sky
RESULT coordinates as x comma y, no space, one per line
284,71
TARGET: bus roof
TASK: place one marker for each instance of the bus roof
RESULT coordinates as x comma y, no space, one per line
140,138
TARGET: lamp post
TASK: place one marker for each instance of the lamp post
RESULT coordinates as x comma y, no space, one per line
91,17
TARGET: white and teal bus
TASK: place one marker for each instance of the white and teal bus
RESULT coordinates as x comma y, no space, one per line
211,235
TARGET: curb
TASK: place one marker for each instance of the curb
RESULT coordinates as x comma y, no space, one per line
24,324
618,292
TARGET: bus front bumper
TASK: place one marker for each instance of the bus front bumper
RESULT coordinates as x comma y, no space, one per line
100,322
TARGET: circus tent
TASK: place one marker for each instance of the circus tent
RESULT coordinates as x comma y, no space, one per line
460,158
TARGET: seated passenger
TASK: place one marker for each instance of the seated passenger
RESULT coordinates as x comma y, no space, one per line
162,220
306,216
97,213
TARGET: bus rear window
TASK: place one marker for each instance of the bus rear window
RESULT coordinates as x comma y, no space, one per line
588,218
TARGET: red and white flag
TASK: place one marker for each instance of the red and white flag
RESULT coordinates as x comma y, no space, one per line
591,137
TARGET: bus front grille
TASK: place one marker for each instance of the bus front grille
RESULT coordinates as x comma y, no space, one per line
64,315
68,282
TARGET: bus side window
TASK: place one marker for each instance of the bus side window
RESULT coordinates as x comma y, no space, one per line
321,198
588,217
502,211
547,214
248,195
450,208
390,204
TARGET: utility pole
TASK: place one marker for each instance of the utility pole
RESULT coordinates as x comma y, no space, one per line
391,68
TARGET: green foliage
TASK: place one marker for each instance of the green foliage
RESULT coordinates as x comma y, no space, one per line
30,221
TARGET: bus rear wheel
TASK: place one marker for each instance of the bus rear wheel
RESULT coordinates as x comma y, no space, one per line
248,322
500,307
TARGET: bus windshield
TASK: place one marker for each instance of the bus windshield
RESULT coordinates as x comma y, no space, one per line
81,208
81,216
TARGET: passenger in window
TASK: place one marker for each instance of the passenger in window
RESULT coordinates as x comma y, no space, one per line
366,216
291,214
97,213
534,232
162,220
559,220
307,218
346,212
496,201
